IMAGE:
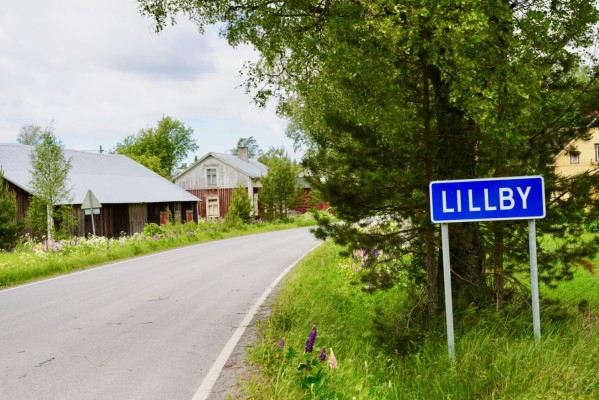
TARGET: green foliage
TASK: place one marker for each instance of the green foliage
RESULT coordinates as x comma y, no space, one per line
496,355
49,179
240,208
161,148
280,188
9,227
36,220
152,229
386,97
67,220
593,226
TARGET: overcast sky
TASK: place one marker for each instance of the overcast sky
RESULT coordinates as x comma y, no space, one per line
97,72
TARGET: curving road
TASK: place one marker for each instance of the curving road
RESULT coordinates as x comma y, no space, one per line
146,328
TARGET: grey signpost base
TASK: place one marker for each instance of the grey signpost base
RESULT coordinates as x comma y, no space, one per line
534,279
447,283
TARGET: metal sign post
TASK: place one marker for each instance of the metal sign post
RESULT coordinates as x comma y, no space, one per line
447,283
91,206
473,200
534,279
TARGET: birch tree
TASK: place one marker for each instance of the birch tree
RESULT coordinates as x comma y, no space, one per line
49,176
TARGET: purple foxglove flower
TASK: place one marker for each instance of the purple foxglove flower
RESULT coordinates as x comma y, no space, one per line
323,354
311,339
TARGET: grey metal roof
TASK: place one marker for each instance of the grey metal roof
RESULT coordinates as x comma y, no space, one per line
251,168
114,179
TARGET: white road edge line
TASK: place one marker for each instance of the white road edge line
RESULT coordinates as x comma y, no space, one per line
211,377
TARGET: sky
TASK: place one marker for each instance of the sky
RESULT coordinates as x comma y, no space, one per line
96,71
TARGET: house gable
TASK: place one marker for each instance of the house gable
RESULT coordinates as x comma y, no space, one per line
578,156
222,171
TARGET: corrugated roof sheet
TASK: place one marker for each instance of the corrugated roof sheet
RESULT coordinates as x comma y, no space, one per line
114,179
252,168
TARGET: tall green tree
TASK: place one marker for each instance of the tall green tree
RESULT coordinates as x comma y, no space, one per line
9,226
280,187
386,96
254,150
162,148
49,178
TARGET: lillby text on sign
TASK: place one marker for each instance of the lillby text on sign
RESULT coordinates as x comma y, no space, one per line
491,199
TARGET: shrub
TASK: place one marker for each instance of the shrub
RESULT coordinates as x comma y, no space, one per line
240,208
152,229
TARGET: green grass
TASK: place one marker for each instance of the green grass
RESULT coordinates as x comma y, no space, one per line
31,260
496,355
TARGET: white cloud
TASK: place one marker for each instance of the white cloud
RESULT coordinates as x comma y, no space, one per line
97,69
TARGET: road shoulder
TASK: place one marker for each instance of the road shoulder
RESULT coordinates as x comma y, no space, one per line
236,371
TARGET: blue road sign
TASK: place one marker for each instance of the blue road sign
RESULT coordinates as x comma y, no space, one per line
490,199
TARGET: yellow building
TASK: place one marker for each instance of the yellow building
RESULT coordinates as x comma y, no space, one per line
578,156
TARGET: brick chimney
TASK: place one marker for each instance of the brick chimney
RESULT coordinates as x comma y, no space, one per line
242,152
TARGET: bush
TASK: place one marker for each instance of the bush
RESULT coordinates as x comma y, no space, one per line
240,208
152,229
593,226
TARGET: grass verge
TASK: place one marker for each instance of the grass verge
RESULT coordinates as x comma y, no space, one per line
31,260
496,357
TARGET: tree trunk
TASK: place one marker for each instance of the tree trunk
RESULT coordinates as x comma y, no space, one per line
50,221
432,287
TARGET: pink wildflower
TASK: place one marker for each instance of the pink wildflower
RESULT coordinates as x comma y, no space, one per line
332,360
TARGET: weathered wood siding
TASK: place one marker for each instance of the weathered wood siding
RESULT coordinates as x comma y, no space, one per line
224,200
115,220
138,217
227,177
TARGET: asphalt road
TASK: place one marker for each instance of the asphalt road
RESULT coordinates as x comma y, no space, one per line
147,328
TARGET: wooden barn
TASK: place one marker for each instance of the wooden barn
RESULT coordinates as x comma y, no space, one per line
130,194
214,177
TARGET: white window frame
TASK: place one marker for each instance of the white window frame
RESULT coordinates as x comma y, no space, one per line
574,158
209,199
211,178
